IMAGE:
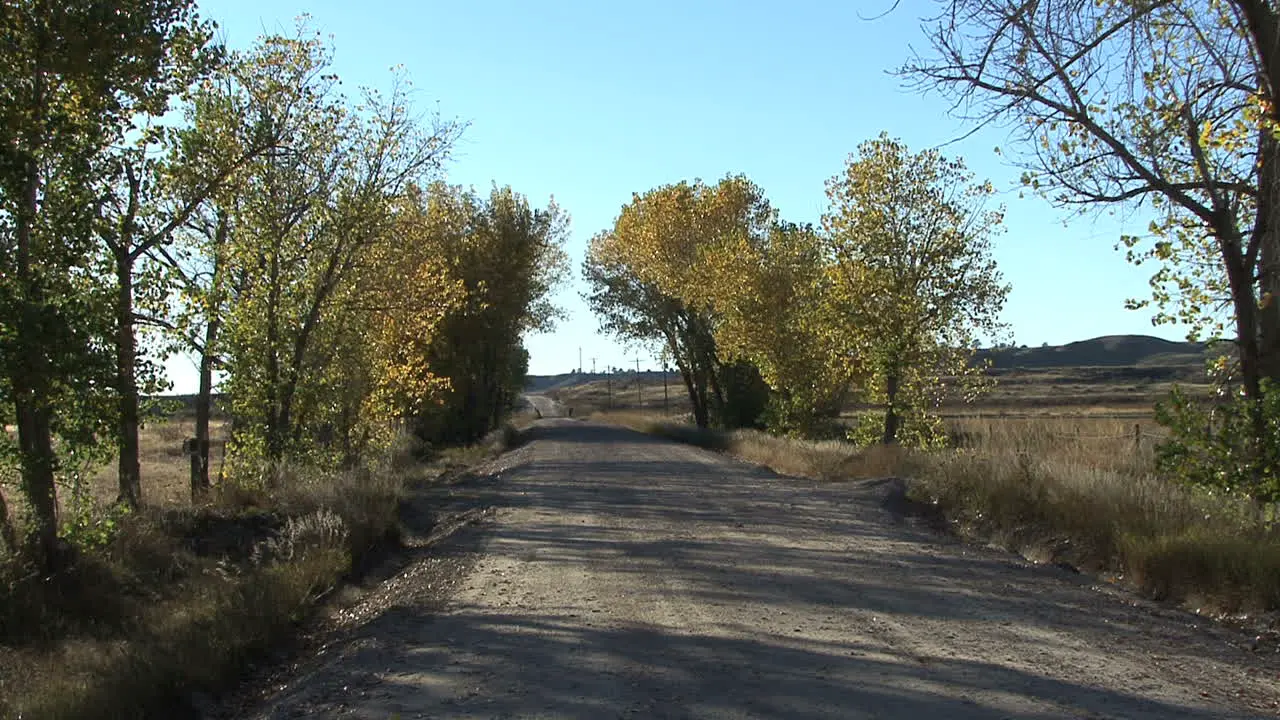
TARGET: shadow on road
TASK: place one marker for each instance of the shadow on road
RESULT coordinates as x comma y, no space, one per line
762,548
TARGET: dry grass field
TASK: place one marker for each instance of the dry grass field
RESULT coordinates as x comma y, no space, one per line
1078,411
166,470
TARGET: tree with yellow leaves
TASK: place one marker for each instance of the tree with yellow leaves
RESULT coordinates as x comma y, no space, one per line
908,239
774,297
652,281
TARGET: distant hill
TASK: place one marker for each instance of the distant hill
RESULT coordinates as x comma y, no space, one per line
1113,351
1107,351
545,383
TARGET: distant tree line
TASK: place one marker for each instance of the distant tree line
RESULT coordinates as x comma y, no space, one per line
161,193
777,324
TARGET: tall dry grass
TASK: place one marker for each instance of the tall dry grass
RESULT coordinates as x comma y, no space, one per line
174,607
1086,493
1075,490
175,604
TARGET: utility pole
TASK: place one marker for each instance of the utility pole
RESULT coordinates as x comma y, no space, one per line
666,399
579,358
639,397
608,390
593,366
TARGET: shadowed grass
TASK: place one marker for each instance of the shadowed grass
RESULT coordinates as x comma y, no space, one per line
183,599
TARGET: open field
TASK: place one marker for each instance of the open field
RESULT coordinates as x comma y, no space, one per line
166,470
1089,410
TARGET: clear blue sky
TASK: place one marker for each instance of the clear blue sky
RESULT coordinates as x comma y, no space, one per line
591,101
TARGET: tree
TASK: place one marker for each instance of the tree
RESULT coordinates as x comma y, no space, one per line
312,218
908,238
647,277
72,76
153,183
773,294
265,100
636,311
507,257
1165,106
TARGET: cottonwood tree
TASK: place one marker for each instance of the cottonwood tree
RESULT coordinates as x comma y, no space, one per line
1165,106
655,253
507,256
773,294
311,215
636,311
153,184
267,101
72,77
909,241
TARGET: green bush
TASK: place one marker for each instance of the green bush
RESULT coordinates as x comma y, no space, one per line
917,429
1213,445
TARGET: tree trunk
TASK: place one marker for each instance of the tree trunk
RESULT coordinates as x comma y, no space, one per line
891,419
7,532
1245,305
129,469
275,433
35,442
204,410
200,481
696,399
1267,238
29,384
717,399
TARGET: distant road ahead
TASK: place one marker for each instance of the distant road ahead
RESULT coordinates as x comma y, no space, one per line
545,405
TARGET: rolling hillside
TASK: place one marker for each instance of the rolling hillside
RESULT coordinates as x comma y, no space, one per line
1152,354
1106,351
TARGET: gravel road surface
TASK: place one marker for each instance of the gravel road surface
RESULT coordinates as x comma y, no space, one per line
614,575
546,407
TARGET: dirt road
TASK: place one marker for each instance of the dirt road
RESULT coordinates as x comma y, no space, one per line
546,407
623,576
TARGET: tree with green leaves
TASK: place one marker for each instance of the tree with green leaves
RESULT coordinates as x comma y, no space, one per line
73,76
312,216
908,237
264,102
508,256
154,182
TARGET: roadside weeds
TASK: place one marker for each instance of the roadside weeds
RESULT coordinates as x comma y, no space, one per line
181,604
